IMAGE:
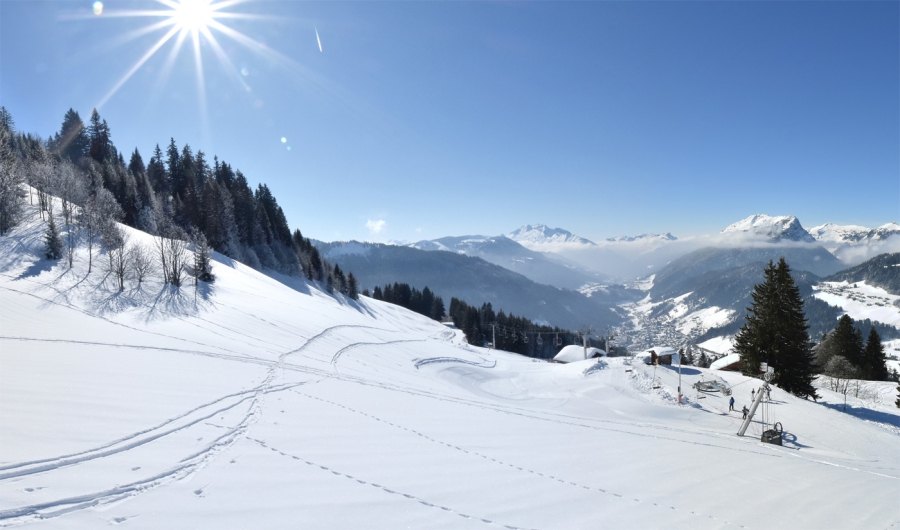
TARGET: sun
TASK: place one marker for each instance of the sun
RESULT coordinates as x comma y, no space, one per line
193,15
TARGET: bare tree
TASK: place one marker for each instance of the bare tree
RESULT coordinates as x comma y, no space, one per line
841,373
69,186
116,254
98,217
141,260
172,248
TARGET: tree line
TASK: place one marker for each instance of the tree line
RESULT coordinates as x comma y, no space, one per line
424,302
178,194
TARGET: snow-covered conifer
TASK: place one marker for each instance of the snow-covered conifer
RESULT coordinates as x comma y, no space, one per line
53,245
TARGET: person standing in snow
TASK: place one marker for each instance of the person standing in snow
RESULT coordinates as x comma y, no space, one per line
745,411
752,394
731,404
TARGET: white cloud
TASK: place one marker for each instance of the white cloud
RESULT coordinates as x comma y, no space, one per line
375,227
418,230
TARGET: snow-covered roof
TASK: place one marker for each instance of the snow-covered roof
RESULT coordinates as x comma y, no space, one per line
728,360
572,353
660,350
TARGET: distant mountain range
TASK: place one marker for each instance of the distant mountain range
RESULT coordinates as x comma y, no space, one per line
643,237
549,269
833,236
472,279
536,235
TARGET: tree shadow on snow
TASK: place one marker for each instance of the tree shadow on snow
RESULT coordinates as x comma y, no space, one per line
37,268
152,301
355,304
865,413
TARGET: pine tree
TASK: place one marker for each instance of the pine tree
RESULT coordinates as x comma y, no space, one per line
376,293
53,245
846,341
72,141
202,259
898,397
352,287
874,366
776,332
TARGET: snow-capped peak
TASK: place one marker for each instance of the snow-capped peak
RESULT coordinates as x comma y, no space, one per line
541,234
836,235
643,237
773,228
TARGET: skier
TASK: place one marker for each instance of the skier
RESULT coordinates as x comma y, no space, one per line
745,411
731,404
752,394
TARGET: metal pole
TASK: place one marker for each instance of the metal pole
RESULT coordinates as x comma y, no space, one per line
755,404
679,378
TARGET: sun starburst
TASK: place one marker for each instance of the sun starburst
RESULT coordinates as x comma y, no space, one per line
196,21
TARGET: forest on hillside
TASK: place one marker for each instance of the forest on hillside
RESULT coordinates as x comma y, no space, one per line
178,194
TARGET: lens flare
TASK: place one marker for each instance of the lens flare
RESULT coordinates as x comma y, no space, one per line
98,8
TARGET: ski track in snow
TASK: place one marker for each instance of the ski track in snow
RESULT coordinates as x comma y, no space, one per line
502,463
388,490
433,360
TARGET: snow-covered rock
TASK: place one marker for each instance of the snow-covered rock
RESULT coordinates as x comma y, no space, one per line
772,228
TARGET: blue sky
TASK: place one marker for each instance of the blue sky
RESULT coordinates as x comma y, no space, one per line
429,119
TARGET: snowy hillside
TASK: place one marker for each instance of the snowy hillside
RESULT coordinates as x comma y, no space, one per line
533,236
771,228
861,301
262,402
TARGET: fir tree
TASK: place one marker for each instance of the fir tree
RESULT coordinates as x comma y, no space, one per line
352,287
100,146
202,259
776,332
377,294
53,245
72,141
874,366
846,341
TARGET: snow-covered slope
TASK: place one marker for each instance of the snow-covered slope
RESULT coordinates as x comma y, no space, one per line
541,235
259,403
861,301
772,228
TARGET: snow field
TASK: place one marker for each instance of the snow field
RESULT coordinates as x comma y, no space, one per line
261,402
